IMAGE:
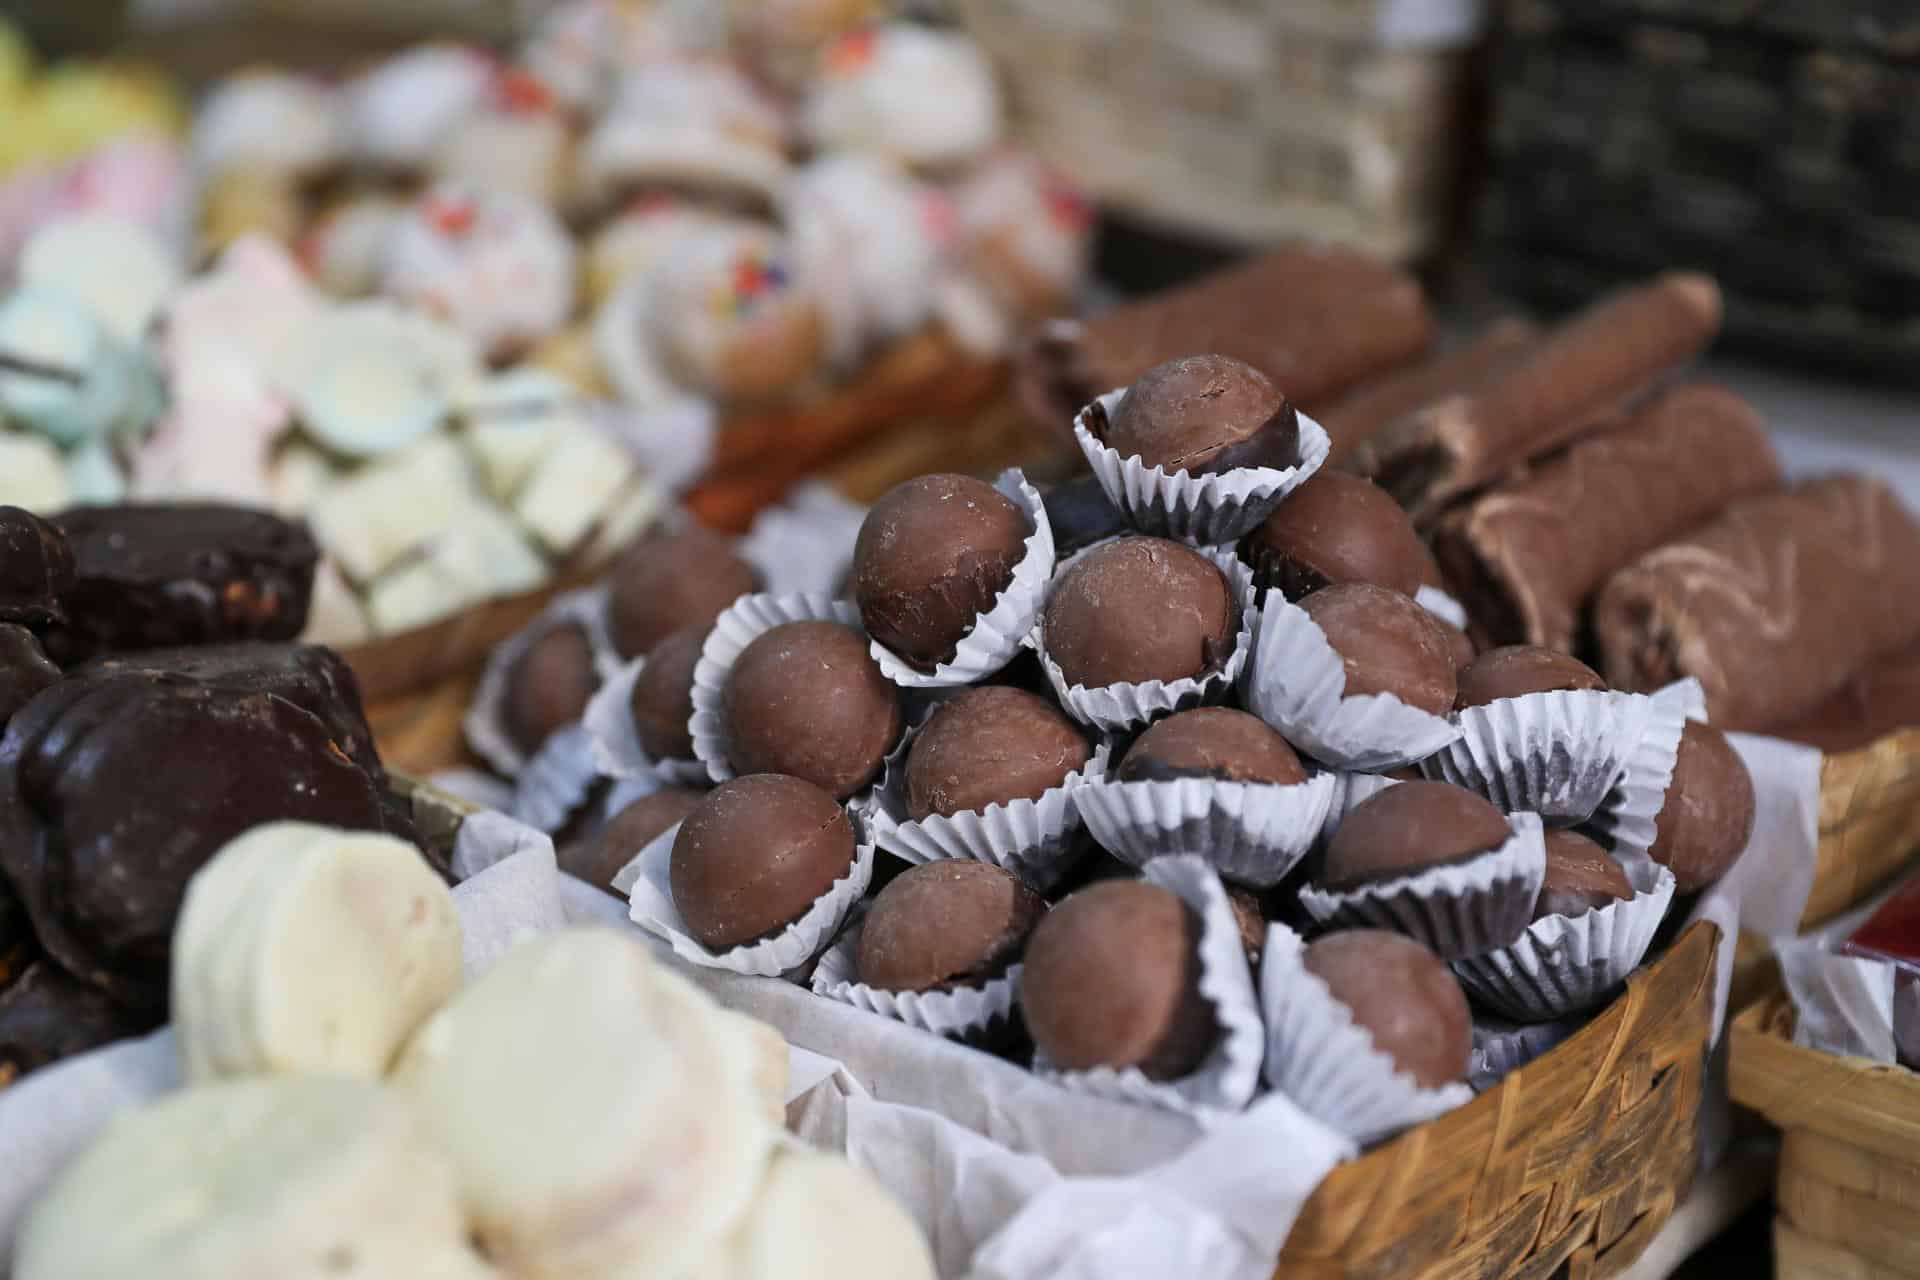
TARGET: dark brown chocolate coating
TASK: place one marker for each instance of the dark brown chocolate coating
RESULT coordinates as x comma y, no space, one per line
987,746
1405,998
1708,814
933,554
1387,643
36,568
1406,829
672,580
754,855
549,686
1581,876
807,699
1338,528
662,701
952,923
1080,514
629,831
1459,643
25,669
1515,670
1203,414
1140,609
1112,978
46,1016
1248,919
1212,742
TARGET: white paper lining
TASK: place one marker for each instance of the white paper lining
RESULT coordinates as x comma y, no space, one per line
614,738
485,721
1556,753
1251,833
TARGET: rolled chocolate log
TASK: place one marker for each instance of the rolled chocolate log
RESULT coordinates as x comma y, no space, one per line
1874,702
1315,320
1566,384
1358,415
1773,605
1525,557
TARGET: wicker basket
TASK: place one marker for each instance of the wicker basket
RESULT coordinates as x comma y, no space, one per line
1869,823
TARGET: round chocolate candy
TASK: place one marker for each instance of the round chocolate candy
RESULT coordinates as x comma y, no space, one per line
1707,817
953,923
635,827
1212,742
1338,528
754,855
672,580
1140,609
1387,643
1581,877
1203,414
988,746
25,669
933,554
662,700
1514,670
807,699
1403,996
1407,828
549,686
1459,644
1112,979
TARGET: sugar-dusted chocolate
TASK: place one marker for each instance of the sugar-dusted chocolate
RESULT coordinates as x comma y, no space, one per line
1139,609
662,699
1201,414
1708,815
947,924
988,746
1338,528
36,568
1403,996
1408,828
1212,742
807,699
754,855
666,581
1581,876
1387,644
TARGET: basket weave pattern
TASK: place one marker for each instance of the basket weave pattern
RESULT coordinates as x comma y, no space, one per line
1869,822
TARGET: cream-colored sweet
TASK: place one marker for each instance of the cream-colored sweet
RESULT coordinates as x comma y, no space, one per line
640,237
273,122
518,142
1025,232
803,1227
480,556
394,506
644,1160
335,615
346,247
234,321
296,1177
400,111
580,48
631,513
32,473
571,487
770,1064
922,96
695,122
782,40
369,377
120,270
301,948
298,475
509,422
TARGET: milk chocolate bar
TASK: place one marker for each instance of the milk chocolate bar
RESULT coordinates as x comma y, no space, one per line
1568,383
1773,605
1524,557
1875,701
1357,416
36,568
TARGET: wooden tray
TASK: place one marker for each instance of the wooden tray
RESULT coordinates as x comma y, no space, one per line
1869,823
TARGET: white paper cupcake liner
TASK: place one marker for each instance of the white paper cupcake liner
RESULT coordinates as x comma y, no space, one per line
615,740
1566,964
1116,707
1460,909
556,782
1297,683
804,545
1207,509
1251,833
1325,1063
782,954
1501,1047
958,1012
1556,753
485,724
1624,822
1228,1079
998,634
1442,606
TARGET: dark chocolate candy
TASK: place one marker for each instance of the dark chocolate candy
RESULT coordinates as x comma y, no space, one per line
46,1016
1202,414
1140,609
1338,528
807,699
754,855
988,746
1407,828
1080,514
1708,814
36,569
549,686
1112,978
933,554
1515,670
635,827
1403,996
1212,742
25,669
1387,643
1581,876
953,923
672,580
662,701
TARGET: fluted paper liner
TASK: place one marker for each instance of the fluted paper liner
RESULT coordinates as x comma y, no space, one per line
1565,964
1501,1047
957,1012
1557,753
1297,683
1624,822
1251,833
556,782
805,542
485,723
1442,606
1228,1078
997,635
1116,707
786,952
1325,1063
1209,509
615,739
1459,909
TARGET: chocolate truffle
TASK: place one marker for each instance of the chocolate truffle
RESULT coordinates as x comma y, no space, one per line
36,568
933,554
671,580
1581,876
1459,643
662,702
1212,742
1140,609
1248,918
1387,643
549,686
24,669
1515,670
1080,514
46,1016
807,699
1338,528
1407,828
1203,414
1403,996
1708,814
635,827
988,746
953,923
1112,979
754,856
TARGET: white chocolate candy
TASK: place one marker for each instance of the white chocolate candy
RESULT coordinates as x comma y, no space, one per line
922,96
370,520
801,1228
522,152
32,473
346,250
571,486
268,121
480,556
369,377
335,616
119,269
510,420
694,122
298,1177
401,110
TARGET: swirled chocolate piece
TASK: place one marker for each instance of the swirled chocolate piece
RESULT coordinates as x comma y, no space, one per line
1212,742
1877,700
1358,415
1338,528
662,700
36,568
1387,643
1403,996
1201,414
599,860
1408,828
989,746
754,855
46,1016
25,669
807,699
1581,877
1708,815
549,686
952,923
1140,609
672,580
1519,669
